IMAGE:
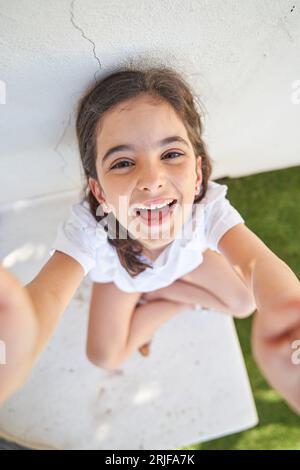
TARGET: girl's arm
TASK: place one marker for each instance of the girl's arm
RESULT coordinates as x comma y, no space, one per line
277,322
29,315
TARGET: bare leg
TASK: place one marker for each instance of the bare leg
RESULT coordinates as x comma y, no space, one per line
181,291
146,319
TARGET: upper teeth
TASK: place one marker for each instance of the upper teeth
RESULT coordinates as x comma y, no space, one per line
153,206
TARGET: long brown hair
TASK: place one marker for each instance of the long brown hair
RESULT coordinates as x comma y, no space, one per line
160,83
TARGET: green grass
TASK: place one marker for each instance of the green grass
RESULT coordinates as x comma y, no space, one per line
270,204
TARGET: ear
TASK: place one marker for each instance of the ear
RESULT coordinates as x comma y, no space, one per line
198,171
98,193
96,190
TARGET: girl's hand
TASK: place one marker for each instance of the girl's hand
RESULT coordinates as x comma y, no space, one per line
18,333
275,338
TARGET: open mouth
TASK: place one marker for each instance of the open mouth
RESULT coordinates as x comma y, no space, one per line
156,216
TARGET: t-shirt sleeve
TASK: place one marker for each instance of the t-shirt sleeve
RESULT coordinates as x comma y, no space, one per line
220,215
105,267
80,236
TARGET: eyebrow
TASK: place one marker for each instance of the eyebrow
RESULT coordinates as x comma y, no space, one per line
160,143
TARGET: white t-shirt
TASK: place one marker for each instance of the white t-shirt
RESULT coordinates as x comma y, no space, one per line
85,239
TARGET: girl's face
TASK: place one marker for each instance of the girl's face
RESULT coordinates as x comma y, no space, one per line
134,166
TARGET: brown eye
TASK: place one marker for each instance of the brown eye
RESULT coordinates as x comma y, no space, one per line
174,153
119,163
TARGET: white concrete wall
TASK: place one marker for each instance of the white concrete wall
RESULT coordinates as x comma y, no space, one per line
242,57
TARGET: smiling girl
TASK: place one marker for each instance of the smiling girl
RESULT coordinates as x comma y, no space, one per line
155,235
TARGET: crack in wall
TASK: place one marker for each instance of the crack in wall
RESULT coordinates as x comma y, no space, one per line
61,138
76,26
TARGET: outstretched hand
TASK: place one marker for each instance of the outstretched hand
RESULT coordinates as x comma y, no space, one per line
276,348
18,332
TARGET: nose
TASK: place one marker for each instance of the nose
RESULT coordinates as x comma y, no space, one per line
151,178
